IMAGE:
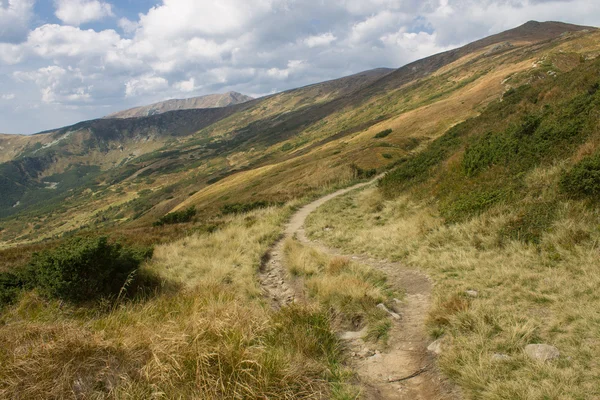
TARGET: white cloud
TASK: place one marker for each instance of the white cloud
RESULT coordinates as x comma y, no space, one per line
14,19
144,85
8,96
58,85
78,12
127,25
185,18
11,54
186,86
180,47
320,40
51,41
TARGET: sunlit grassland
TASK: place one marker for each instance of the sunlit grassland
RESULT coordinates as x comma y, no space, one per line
527,293
206,334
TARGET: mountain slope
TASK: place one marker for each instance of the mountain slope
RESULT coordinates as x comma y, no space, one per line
208,101
285,145
502,212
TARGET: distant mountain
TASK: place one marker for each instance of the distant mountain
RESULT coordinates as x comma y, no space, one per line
208,101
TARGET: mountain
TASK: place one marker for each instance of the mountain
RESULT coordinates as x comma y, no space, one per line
275,148
485,222
208,101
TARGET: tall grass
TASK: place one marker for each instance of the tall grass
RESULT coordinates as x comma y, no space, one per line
212,337
351,289
540,291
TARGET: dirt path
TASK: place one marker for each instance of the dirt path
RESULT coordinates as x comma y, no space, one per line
406,355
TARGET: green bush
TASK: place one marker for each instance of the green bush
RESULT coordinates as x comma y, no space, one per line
177,217
417,168
242,208
383,134
84,269
584,178
10,286
361,173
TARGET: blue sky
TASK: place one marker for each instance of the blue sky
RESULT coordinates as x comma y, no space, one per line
62,61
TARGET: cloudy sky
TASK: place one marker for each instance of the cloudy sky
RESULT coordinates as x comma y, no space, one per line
62,61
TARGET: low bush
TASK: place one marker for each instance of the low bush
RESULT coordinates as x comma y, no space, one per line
10,286
583,179
383,134
84,269
361,173
242,208
177,217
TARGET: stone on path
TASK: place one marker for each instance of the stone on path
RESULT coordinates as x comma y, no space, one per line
382,306
436,347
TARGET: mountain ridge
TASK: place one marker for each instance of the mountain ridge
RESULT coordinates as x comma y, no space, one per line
198,102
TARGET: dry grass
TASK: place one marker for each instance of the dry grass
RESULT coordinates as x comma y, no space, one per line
353,290
212,339
544,293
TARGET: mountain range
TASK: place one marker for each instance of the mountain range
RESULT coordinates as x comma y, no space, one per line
273,148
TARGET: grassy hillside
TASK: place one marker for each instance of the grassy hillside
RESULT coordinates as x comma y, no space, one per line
493,157
505,204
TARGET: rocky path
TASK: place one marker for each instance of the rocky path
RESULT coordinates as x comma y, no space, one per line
404,369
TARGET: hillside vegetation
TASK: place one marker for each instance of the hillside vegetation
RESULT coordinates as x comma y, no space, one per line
504,204
492,152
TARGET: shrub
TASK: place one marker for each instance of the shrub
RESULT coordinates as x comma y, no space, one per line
361,173
417,168
242,208
584,178
84,269
383,134
10,286
177,217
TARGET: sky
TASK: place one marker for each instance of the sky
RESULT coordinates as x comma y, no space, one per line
64,61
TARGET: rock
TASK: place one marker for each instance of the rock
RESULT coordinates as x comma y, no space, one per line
353,335
472,293
364,353
382,306
436,347
500,357
376,356
541,352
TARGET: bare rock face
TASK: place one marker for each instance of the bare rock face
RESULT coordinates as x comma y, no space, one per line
541,352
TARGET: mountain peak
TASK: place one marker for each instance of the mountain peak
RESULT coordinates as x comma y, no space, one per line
207,101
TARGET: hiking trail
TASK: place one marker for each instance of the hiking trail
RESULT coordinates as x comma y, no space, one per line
404,369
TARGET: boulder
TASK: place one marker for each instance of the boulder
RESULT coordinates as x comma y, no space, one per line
541,352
